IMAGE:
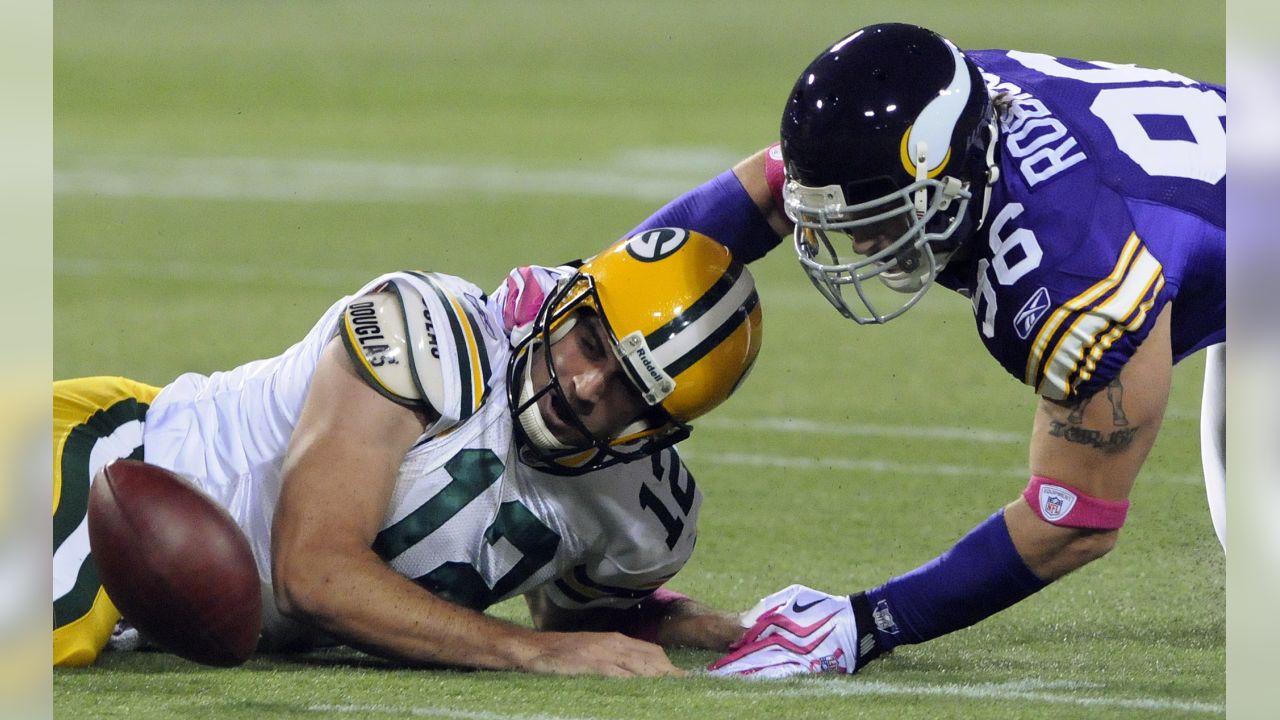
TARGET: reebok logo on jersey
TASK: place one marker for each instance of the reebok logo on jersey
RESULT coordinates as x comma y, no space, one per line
1034,309
1055,502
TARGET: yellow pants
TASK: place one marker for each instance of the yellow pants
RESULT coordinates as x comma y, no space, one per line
95,421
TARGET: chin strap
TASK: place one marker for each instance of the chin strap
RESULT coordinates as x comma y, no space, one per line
922,174
993,170
531,421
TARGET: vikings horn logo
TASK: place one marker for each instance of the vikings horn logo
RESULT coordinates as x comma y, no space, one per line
936,125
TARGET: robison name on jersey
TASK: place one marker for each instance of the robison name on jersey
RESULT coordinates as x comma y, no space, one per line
468,520
1110,206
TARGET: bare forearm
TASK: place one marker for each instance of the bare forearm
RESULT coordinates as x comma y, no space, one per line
367,605
688,623
668,619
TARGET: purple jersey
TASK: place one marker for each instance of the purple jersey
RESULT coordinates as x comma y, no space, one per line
1110,204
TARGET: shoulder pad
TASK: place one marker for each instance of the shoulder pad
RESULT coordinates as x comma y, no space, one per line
376,335
447,338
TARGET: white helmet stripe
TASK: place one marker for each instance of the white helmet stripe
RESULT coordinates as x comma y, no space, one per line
937,122
673,352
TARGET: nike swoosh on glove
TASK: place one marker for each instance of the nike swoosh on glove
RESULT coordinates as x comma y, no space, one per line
797,630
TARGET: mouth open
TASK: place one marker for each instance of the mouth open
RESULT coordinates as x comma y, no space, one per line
556,414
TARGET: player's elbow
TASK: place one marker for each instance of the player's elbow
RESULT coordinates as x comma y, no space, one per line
298,587
1084,546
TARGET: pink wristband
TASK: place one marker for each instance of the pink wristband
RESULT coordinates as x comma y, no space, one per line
774,173
1060,504
664,596
649,614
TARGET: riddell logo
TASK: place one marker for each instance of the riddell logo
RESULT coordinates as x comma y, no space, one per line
655,374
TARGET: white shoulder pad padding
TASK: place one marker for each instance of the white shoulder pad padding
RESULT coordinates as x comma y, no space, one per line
374,331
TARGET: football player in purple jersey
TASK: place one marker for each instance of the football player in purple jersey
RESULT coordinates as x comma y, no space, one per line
1075,204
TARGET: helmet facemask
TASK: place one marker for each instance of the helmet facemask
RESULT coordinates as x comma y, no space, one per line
887,137
907,233
653,430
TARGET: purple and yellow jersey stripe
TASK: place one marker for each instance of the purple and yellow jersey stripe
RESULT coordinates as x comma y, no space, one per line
1066,351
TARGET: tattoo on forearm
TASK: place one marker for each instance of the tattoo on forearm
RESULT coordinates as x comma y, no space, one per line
1073,431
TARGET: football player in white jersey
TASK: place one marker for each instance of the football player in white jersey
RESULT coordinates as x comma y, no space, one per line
394,482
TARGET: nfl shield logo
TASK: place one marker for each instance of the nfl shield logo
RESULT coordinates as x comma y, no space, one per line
1054,506
1056,502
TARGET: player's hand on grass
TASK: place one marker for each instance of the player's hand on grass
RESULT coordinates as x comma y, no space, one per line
797,630
594,653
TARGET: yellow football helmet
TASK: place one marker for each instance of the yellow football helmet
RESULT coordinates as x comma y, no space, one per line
684,321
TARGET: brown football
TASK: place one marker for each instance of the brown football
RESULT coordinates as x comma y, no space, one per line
174,563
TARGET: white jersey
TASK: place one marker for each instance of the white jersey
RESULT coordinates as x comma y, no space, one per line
468,519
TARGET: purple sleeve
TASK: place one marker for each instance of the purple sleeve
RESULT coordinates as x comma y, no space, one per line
979,576
722,210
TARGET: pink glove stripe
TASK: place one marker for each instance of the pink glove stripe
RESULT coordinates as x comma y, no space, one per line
778,620
1060,504
771,641
793,627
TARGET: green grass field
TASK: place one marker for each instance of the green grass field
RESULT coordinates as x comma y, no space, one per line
224,171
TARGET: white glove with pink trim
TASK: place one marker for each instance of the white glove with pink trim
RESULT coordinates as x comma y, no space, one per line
794,631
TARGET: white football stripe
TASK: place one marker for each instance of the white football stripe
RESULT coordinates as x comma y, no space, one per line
69,556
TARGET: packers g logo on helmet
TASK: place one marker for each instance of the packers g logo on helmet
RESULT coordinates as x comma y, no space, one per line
684,320
653,245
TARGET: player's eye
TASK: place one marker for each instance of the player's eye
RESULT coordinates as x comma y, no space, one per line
591,347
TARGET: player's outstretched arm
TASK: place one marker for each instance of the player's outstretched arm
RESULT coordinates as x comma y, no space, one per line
339,473
1093,449
666,618
741,208
1085,456
761,175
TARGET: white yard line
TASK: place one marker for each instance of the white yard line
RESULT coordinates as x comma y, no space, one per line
338,281
880,465
656,174
431,712
1034,691
925,432
1057,693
